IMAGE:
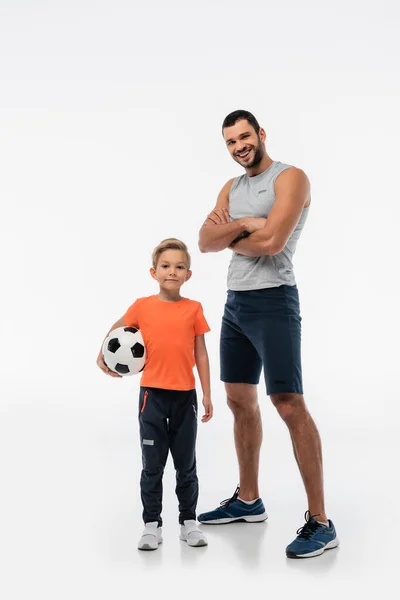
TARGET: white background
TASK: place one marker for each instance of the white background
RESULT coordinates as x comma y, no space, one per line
110,141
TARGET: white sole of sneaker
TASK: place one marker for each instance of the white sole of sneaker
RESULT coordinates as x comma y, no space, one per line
198,545
329,546
249,519
147,547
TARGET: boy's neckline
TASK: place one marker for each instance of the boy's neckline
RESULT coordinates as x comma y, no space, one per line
169,301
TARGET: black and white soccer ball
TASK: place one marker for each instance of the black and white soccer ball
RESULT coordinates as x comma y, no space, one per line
124,351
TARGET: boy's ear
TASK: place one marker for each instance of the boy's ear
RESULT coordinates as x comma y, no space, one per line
153,273
188,275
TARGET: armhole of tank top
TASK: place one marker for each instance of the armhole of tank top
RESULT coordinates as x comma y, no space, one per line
275,177
234,184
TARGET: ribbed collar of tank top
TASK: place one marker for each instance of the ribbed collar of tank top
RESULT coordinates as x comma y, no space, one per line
258,177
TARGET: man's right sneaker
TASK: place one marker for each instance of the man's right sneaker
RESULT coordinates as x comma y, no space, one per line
234,509
151,537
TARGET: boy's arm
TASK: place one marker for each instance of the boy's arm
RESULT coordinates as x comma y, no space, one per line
203,369
100,361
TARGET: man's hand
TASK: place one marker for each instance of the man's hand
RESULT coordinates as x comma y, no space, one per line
102,365
221,217
208,409
218,216
254,223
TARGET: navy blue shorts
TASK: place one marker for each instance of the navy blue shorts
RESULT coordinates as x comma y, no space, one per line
262,329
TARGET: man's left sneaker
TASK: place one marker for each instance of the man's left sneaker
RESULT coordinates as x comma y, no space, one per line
234,509
312,539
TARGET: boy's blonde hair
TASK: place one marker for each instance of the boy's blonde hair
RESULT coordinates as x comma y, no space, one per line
170,244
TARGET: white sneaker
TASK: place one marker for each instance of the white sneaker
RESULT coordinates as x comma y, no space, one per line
151,537
191,534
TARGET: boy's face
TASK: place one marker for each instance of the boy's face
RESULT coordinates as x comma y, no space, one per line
171,271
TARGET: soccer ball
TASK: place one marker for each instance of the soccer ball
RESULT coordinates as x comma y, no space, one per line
124,351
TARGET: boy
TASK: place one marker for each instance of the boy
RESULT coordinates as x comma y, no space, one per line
173,331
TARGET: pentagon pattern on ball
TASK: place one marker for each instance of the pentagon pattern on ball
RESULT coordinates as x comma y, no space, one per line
124,351
137,350
131,329
113,345
122,369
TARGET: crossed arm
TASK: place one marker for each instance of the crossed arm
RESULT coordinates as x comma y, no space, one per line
218,231
266,236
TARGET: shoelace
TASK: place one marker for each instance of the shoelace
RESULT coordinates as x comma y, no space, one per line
310,527
229,501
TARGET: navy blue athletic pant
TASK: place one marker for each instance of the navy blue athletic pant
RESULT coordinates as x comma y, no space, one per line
168,422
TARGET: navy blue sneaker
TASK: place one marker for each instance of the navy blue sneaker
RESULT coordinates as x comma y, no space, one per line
312,539
233,509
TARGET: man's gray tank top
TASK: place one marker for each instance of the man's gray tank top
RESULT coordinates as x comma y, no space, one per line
254,197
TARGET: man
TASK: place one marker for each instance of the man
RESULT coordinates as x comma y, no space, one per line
260,216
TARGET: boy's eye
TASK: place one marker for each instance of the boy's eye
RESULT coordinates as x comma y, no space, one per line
180,267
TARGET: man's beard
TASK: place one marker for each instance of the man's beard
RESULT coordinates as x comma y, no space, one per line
258,156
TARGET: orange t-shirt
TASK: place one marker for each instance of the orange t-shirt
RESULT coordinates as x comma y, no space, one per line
168,330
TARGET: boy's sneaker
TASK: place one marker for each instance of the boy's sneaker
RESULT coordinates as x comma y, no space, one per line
313,539
234,509
191,534
151,537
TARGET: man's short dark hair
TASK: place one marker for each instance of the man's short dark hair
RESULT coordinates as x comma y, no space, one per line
241,115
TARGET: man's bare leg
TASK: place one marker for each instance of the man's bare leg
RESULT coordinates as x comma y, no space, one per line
307,448
243,402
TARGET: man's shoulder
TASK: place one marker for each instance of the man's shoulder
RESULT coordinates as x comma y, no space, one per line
289,174
289,169
235,180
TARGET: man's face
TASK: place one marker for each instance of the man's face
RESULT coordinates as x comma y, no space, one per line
244,145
